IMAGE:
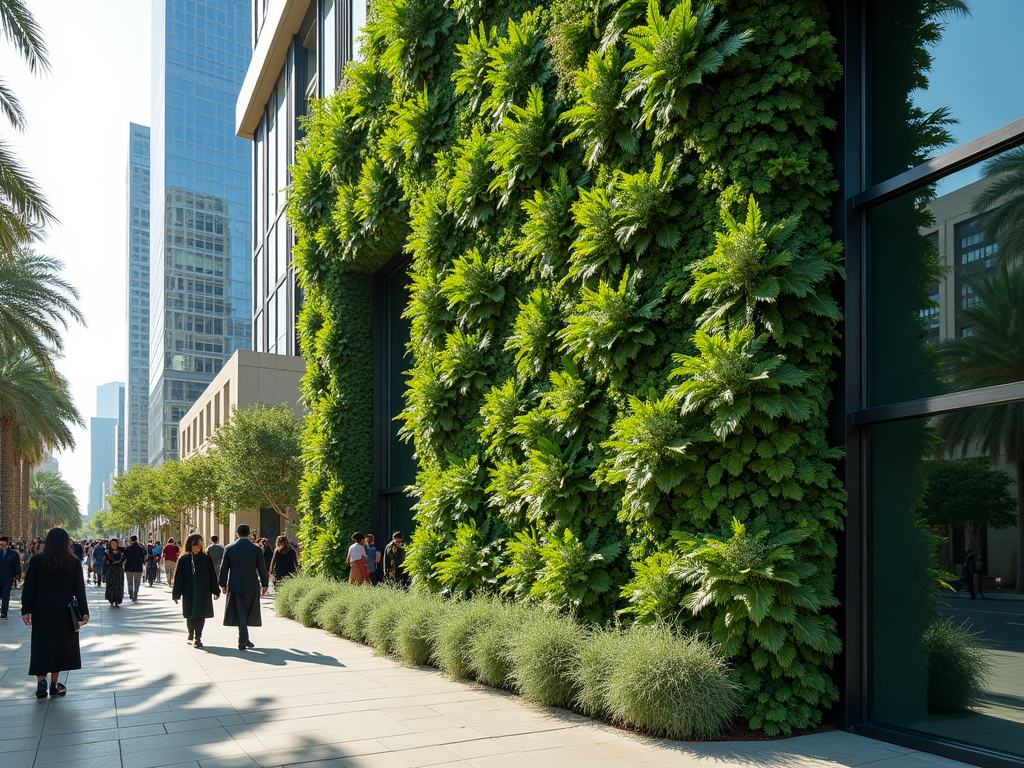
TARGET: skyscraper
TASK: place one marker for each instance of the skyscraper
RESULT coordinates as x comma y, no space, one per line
106,442
136,432
200,209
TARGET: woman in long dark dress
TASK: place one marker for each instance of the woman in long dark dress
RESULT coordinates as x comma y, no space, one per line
54,577
195,584
114,561
285,562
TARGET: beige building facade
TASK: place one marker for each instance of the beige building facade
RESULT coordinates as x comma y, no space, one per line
246,379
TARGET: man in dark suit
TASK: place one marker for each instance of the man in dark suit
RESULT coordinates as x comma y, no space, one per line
243,578
10,572
134,564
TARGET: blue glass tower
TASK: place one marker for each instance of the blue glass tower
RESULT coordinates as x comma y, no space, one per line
200,211
136,427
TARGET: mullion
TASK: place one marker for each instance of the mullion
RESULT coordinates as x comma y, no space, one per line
1001,394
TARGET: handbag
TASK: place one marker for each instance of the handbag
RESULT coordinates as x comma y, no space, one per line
76,614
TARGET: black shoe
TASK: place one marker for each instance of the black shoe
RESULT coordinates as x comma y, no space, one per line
3,615
198,643
246,644
41,689
190,637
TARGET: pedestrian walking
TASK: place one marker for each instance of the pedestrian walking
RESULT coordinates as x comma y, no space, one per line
170,556
195,584
98,553
134,564
158,555
285,561
394,560
357,572
372,560
968,570
979,576
54,590
268,552
152,567
10,573
243,578
216,551
113,562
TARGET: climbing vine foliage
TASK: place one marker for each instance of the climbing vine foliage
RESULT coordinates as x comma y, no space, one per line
613,216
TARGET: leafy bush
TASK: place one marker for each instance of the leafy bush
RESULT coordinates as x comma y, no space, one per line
645,208
547,232
773,613
596,252
534,337
576,573
413,31
471,77
669,685
420,122
471,563
524,146
308,605
545,655
601,123
414,635
610,326
655,593
453,635
475,289
470,196
959,666
672,55
517,66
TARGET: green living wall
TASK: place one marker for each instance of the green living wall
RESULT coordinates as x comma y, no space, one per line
623,334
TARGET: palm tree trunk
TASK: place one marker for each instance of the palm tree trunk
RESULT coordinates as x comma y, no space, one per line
26,514
8,516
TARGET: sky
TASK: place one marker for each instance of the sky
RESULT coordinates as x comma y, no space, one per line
76,146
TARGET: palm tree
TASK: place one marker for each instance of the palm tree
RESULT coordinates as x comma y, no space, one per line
22,204
36,411
36,304
1005,199
994,354
54,500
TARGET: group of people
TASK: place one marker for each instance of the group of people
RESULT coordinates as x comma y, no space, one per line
367,565
55,605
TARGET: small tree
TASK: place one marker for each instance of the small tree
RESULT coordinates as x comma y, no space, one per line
259,459
968,493
136,498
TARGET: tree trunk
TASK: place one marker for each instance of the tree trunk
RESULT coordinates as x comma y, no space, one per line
26,514
8,515
1019,466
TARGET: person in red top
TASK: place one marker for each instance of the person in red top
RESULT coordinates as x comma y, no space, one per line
170,556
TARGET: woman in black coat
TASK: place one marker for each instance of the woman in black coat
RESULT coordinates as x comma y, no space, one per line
195,584
53,580
113,559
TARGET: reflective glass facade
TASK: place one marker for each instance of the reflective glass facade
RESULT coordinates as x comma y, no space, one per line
931,152
201,218
137,395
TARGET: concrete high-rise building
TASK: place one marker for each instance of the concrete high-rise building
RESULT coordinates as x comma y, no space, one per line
200,207
300,49
136,432
106,454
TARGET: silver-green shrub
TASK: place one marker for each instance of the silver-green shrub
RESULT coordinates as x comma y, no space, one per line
959,666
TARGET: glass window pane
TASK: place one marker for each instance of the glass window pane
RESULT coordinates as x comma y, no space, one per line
282,141
947,286
358,22
328,75
282,249
938,79
940,506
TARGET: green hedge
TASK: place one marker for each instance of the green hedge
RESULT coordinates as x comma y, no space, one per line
654,679
623,329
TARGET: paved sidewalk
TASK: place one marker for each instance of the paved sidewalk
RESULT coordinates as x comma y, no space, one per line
303,697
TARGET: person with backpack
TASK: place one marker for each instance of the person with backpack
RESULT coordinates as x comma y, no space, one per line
152,563
98,552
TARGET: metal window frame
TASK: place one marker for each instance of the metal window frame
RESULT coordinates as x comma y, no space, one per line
851,226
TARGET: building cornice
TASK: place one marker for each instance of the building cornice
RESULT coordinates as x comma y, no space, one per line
282,21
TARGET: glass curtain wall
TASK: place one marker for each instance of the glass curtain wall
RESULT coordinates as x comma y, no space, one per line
935,375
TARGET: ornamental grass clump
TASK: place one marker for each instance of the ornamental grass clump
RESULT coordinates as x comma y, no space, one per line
454,632
288,592
545,657
382,624
333,611
959,666
309,603
362,602
416,626
593,672
490,648
671,685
